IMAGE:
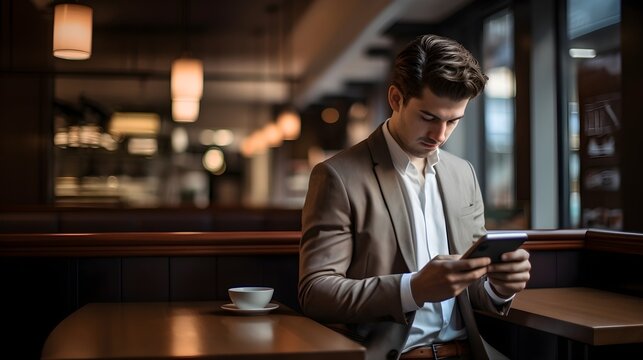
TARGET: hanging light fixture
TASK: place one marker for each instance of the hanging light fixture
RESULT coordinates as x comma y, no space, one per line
288,120
185,110
186,80
187,89
289,123
72,31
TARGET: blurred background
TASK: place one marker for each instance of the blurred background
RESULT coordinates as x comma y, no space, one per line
286,84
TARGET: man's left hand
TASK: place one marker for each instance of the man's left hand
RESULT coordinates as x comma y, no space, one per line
511,275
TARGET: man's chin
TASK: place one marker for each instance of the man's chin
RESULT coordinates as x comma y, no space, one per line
427,152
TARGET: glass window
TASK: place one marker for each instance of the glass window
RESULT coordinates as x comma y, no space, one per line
499,119
591,65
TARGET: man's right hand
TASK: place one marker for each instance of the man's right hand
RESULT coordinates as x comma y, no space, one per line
446,276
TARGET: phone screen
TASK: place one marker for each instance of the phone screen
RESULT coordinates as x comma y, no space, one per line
494,245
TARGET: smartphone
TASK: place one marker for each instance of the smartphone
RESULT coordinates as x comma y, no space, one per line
494,245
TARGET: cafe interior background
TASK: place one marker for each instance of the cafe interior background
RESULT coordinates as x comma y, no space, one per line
109,193
107,130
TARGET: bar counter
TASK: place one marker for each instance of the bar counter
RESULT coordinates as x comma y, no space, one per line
591,316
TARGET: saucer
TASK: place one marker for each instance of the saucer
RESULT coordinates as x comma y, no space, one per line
233,308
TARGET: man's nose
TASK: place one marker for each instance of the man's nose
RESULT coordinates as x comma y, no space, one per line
438,132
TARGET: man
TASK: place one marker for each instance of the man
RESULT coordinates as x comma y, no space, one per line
381,218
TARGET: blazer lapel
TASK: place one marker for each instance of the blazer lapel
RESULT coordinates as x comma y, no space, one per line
393,196
450,201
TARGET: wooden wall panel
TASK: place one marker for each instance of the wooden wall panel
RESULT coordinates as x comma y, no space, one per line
145,279
193,278
543,269
282,274
568,268
99,280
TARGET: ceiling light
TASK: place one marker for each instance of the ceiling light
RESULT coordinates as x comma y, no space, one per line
187,79
358,111
247,147
272,134
72,31
258,142
185,110
134,123
582,53
501,83
330,115
223,137
214,160
142,146
180,140
289,123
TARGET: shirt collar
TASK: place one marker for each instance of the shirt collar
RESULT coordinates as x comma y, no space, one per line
402,160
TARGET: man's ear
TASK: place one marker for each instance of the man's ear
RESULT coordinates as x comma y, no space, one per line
395,98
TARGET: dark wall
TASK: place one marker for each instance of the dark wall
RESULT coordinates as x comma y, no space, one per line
632,80
38,293
26,98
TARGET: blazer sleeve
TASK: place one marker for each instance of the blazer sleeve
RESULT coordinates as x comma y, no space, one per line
326,253
478,295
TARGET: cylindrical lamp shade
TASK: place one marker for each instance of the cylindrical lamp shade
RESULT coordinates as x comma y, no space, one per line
185,110
272,134
289,123
187,79
72,31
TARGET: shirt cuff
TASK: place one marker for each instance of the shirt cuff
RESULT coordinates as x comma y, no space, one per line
408,304
497,300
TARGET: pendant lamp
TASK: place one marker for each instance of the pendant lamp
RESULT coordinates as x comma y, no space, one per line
185,110
72,31
289,123
289,120
187,79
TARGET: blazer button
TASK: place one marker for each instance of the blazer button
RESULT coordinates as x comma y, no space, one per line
392,355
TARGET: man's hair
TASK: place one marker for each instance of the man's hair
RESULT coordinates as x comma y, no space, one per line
442,64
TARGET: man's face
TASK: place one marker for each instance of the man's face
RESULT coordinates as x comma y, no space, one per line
423,124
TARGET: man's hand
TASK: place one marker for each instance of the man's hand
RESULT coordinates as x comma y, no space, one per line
445,276
511,275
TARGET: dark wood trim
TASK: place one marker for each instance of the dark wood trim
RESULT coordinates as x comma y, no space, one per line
150,243
554,245
555,235
260,243
555,240
615,242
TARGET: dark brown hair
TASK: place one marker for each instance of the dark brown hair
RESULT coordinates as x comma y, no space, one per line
442,64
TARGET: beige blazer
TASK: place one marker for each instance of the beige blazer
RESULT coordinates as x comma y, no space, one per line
356,243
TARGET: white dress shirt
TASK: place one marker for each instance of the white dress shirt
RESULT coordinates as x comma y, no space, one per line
434,322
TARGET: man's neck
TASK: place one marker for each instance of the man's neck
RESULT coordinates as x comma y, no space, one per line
418,162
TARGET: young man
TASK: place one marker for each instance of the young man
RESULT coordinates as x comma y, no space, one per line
382,218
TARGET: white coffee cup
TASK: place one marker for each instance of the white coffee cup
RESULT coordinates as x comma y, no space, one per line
250,297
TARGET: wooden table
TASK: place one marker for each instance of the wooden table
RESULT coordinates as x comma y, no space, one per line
196,330
591,316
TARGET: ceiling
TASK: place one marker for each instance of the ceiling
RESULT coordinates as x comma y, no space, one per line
252,50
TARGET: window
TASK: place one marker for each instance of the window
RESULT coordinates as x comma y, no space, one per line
591,67
499,119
